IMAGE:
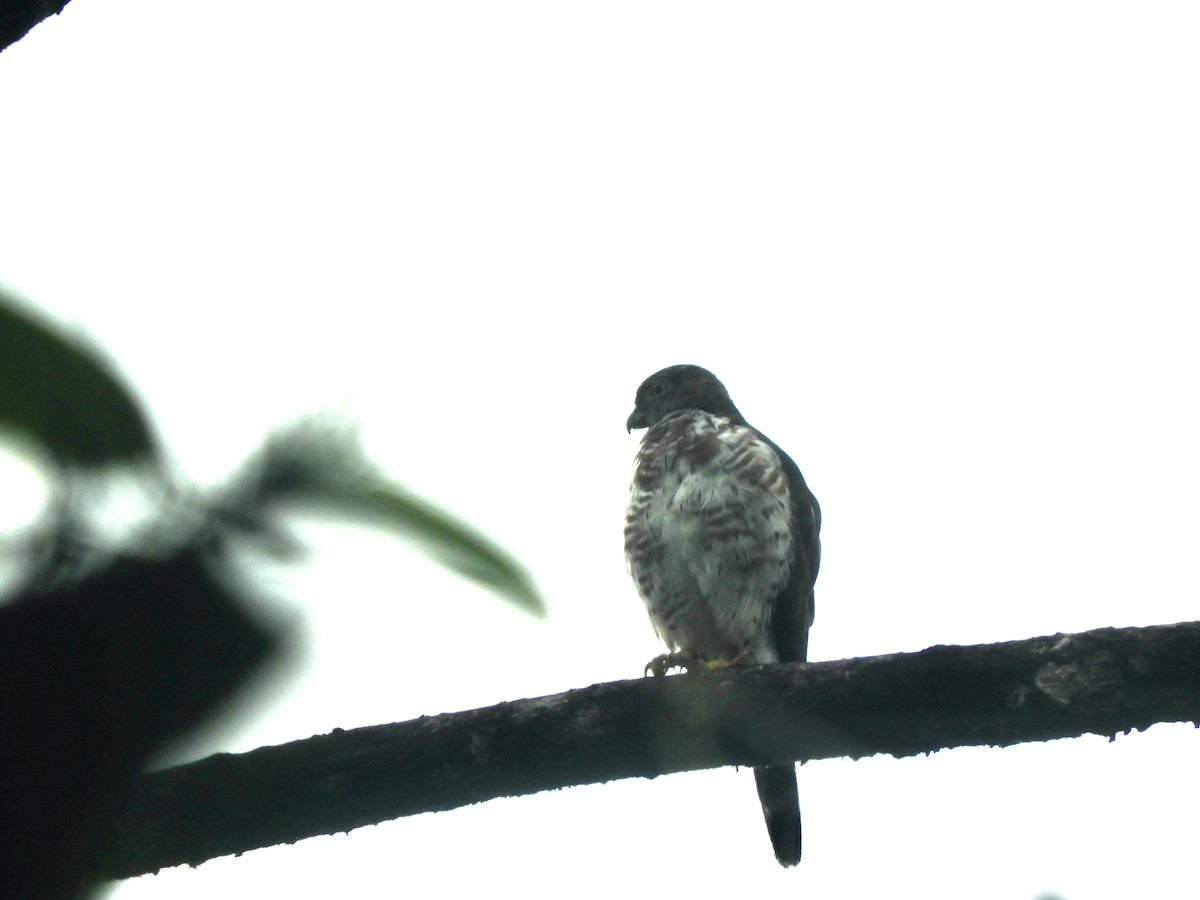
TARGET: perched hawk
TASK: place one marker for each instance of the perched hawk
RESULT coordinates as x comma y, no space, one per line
721,538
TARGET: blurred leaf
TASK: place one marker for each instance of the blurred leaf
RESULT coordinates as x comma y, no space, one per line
320,465
97,673
60,394
455,544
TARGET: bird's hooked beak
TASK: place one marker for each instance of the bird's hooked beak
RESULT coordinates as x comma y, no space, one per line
637,419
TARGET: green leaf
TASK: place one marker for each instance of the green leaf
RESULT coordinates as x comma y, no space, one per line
322,467
60,394
456,545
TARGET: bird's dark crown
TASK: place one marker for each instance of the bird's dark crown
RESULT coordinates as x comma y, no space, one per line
680,387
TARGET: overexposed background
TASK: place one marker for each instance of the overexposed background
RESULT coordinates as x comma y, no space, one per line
945,254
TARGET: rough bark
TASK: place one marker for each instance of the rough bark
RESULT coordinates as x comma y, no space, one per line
1100,682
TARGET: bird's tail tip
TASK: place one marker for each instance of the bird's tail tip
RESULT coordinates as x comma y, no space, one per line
781,809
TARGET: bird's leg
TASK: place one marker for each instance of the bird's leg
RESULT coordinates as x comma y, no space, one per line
679,659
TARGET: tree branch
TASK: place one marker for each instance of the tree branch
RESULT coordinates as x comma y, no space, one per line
1101,682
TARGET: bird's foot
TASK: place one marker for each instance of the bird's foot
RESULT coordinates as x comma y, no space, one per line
711,665
660,664
681,659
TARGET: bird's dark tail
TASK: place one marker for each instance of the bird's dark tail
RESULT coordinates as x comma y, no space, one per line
781,808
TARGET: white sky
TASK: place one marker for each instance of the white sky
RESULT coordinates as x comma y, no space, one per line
944,253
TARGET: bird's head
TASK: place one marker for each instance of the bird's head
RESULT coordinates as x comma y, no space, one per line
676,388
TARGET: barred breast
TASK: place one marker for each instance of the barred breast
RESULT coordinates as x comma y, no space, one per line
707,535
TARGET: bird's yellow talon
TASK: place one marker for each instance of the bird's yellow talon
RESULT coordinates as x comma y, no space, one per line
680,659
660,664
713,664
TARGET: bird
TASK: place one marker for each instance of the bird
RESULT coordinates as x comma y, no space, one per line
722,540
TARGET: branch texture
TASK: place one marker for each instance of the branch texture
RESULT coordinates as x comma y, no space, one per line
1100,682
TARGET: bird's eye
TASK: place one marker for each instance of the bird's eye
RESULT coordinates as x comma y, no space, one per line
658,388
